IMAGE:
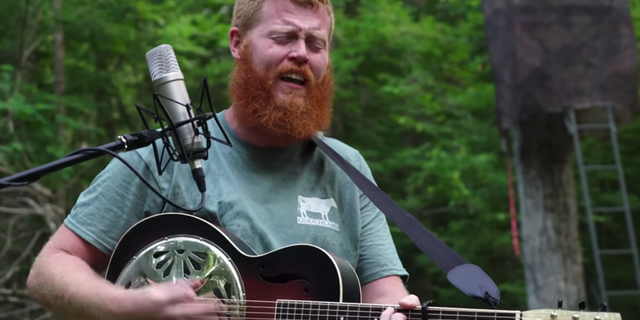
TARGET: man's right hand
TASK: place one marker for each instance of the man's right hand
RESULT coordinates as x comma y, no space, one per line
64,280
168,301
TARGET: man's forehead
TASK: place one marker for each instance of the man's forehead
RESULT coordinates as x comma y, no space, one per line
286,16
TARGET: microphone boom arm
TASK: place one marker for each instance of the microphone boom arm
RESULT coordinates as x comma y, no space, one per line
127,142
142,139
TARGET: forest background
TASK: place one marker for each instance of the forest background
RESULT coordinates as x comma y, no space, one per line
415,94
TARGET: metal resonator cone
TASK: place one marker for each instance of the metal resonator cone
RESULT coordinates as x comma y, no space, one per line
184,257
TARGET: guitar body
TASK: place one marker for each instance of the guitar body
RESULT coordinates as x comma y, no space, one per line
296,282
170,246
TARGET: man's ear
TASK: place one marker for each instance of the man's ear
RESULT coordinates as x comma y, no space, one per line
235,42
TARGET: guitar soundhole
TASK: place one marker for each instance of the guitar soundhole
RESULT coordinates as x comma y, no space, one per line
196,265
228,289
284,278
185,267
159,254
161,263
191,262
225,294
201,255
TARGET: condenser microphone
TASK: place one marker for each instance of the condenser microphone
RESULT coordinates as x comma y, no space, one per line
169,86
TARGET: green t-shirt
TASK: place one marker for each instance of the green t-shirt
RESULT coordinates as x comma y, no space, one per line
268,197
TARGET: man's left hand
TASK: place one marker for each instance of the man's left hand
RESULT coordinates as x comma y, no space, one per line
409,302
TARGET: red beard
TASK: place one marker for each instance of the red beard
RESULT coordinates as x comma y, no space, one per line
256,104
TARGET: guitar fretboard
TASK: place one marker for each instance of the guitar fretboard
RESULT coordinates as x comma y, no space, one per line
315,310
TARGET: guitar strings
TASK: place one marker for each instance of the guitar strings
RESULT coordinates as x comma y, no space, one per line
452,317
288,309
269,315
355,305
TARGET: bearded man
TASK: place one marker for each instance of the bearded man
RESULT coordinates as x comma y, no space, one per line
281,90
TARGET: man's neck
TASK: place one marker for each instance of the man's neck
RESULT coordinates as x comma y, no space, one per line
255,136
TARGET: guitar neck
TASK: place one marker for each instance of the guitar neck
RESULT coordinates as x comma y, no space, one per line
319,310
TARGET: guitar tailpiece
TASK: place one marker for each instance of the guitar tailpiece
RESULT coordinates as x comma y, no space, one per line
603,307
425,309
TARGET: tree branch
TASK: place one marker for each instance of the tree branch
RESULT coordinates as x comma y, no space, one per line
430,212
45,316
9,238
15,266
12,314
19,293
20,211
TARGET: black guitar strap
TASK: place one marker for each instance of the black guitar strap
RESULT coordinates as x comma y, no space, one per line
467,277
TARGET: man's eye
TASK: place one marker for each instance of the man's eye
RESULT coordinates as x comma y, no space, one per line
283,39
316,45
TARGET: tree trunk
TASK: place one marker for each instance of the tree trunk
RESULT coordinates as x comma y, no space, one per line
58,66
550,238
59,83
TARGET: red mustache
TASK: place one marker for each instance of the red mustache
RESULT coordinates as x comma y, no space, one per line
304,71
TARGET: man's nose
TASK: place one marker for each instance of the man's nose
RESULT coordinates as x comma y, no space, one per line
299,52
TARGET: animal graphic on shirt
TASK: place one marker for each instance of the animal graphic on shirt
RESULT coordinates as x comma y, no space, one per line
316,205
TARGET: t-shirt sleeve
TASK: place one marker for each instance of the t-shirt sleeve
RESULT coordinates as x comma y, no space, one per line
114,201
378,256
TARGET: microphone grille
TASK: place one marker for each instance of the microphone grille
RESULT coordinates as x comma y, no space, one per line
161,61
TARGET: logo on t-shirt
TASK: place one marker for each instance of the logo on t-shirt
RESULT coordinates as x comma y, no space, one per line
316,205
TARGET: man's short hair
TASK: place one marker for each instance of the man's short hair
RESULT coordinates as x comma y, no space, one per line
246,13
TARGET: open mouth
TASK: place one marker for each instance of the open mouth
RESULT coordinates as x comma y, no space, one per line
293,78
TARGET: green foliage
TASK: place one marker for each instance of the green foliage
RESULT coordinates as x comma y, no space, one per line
414,93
